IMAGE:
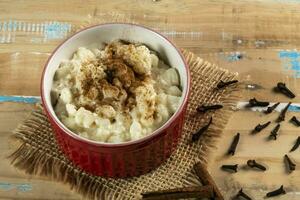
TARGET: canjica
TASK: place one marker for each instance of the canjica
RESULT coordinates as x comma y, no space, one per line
119,93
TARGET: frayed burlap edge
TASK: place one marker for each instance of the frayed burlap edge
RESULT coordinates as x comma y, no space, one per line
35,159
39,155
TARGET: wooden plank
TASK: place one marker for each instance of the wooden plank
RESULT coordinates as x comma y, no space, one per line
234,24
232,21
13,183
262,69
20,73
23,25
47,10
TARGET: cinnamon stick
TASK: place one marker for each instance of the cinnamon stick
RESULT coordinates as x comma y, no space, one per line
206,179
179,193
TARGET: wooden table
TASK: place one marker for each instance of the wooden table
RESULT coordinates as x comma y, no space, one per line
255,38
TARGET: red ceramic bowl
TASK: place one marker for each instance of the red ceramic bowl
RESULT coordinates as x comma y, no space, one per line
128,158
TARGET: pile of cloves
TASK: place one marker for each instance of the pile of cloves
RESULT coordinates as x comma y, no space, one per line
209,188
253,164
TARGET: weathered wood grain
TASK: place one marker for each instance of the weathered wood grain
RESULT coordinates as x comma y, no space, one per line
256,29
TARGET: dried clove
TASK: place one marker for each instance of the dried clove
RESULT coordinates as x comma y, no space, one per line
271,108
260,127
274,132
281,87
295,121
296,145
242,194
203,108
254,103
281,116
234,144
180,193
230,167
276,192
289,163
223,84
254,164
197,135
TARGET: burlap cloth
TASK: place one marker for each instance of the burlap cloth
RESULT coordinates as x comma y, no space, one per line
39,154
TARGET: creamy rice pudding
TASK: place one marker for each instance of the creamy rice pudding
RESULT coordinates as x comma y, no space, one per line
120,93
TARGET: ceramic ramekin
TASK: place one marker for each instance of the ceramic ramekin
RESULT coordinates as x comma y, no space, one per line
128,158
